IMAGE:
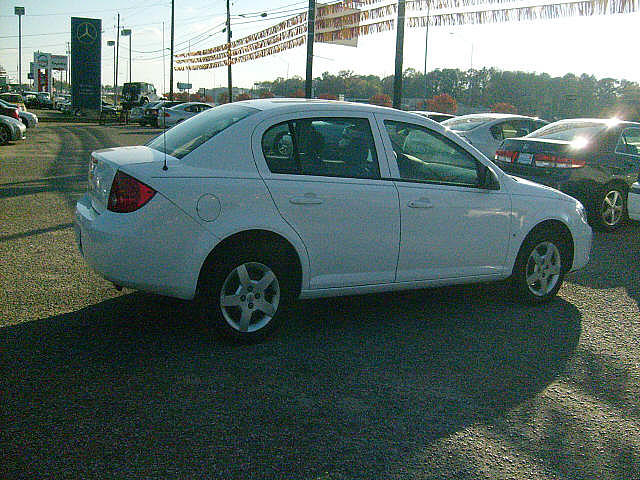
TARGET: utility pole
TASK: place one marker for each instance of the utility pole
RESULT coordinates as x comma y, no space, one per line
188,74
229,82
397,78
126,32
163,65
66,72
426,47
19,11
311,22
112,43
171,59
115,85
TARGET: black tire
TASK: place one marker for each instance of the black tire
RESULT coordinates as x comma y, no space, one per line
5,135
610,211
531,279
223,280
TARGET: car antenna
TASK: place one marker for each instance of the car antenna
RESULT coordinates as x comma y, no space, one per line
164,141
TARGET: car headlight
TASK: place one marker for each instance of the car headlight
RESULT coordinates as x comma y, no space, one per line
581,211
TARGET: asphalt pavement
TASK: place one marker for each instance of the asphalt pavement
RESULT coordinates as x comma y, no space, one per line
447,383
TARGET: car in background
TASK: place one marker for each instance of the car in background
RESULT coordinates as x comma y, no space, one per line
9,110
29,119
11,129
593,160
59,100
168,117
486,131
633,202
369,199
15,99
435,116
151,110
137,94
43,100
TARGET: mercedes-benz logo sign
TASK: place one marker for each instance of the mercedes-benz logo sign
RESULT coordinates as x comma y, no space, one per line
86,33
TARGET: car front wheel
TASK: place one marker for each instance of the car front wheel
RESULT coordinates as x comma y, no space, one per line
540,267
5,135
244,299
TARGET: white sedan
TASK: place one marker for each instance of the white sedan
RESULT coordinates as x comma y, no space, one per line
633,202
253,204
168,117
486,131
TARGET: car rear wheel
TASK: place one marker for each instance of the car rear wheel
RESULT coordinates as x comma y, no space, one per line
612,211
5,135
540,267
243,298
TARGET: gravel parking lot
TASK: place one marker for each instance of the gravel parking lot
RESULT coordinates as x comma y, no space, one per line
453,383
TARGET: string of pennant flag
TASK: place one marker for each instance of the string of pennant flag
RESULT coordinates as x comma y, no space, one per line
349,20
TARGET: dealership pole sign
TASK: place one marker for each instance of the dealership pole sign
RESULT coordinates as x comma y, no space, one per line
86,51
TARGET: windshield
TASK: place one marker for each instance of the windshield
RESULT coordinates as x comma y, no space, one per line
569,131
190,134
463,124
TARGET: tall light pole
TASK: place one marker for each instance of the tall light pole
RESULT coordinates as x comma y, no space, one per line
126,32
19,11
117,58
171,60
426,48
112,43
311,22
229,83
163,66
188,75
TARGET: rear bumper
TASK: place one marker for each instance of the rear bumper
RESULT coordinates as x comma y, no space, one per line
633,202
157,249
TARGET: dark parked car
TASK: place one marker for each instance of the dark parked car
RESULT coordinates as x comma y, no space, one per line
593,160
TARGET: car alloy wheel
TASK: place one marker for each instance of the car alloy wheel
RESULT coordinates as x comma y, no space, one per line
612,208
543,268
249,297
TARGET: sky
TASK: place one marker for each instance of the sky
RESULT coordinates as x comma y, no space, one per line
598,45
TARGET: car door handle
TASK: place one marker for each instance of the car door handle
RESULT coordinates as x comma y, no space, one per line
308,199
420,203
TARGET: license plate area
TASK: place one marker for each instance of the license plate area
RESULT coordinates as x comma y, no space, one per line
525,158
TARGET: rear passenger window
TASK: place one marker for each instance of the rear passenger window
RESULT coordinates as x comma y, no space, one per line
330,147
629,142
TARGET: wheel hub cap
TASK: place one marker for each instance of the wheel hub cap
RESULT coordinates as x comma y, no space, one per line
543,268
612,207
250,297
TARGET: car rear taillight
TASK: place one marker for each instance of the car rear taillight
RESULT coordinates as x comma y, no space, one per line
128,194
554,161
507,156
16,114
167,114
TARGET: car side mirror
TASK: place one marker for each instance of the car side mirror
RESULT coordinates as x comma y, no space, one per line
487,179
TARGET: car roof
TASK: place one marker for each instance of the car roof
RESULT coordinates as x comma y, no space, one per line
607,121
285,105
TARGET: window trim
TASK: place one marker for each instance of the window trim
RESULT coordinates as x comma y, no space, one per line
447,140
621,136
290,118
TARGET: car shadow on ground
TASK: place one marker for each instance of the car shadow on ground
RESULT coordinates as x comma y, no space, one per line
614,262
349,388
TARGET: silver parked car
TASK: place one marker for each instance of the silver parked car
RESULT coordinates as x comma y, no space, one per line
168,117
11,130
486,131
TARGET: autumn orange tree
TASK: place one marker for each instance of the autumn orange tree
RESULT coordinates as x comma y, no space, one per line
243,96
443,103
504,107
327,96
381,99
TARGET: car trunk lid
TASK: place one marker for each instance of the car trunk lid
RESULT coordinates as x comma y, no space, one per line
106,163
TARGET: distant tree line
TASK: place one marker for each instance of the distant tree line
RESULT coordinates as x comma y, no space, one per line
536,94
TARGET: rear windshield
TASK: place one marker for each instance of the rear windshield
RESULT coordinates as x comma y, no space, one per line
464,124
569,131
190,134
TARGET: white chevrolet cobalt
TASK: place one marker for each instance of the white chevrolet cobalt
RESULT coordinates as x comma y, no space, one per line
253,204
